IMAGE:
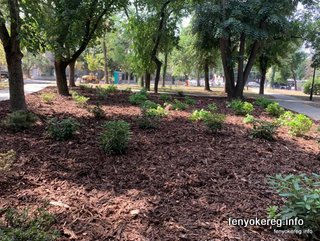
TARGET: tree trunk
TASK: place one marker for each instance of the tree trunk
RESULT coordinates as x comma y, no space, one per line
206,76
262,81
165,66
142,81
198,79
158,73
294,78
60,68
241,81
148,81
72,82
105,56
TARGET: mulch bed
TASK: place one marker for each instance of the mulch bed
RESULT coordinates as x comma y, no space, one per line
176,183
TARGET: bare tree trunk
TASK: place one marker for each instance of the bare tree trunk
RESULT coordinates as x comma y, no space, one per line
148,81
198,79
206,76
142,81
105,56
60,68
294,78
262,81
158,73
72,82
165,66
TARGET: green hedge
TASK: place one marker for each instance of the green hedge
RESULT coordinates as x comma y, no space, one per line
307,87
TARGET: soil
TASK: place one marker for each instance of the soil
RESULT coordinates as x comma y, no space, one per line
175,183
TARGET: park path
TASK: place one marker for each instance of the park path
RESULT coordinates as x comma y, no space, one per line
30,86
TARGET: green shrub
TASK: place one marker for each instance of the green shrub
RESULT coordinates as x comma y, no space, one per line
263,102
97,112
189,101
212,107
102,93
147,122
19,120
80,100
214,122
263,130
302,200
21,226
316,88
199,115
61,130
127,90
115,137
241,107
148,104
275,110
178,105
7,159
165,97
180,93
111,89
249,119
158,112
144,91
298,124
48,97
138,98
86,87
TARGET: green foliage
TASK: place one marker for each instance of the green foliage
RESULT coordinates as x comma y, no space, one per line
178,105
302,200
7,159
298,124
263,130
180,93
138,98
240,107
147,122
48,97
21,226
148,104
199,115
115,137
249,119
189,101
98,112
165,97
86,87
214,122
316,88
127,90
212,107
19,120
61,130
102,93
158,112
80,100
112,89
275,110
263,102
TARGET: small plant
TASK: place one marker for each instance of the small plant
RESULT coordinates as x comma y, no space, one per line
102,93
275,109
165,97
143,91
263,102
212,107
7,159
115,137
97,112
19,120
127,90
158,112
180,93
21,226
263,130
178,105
111,89
298,124
80,100
48,97
241,108
199,115
189,101
214,122
147,122
61,130
138,98
148,104
302,200
249,119
85,87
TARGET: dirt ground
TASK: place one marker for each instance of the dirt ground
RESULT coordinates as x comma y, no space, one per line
176,183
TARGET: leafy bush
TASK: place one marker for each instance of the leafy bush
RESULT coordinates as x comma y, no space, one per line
80,100
7,159
178,105
148,104
199,115
302,200
127,90
48,97
19,120
158,112
263,130
275,109
61,130
241,107
165,97
212,107
316,88
102,93
115,137
111,89
138,98
298,124
180,93
189,101
97,112
263,102
214,122
249,119
86,87
147,122
144,91
21,226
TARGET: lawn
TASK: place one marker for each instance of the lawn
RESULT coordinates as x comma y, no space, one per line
177,182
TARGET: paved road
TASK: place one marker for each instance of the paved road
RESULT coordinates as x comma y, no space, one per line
30,86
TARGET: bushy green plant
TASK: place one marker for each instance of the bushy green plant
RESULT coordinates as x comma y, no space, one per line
180,93
263,130
127,90
97,112
214,122
249,119
111,89
144,91
263,102
316,88
241,108
165,97
199,115
189,101
298,124
178,105
302,200
61,130
148,104
115,137
7,159
48,97
138,98
102,92
212,107
147,122
158,112
21,226
275,109
19,120
80,100
86,87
